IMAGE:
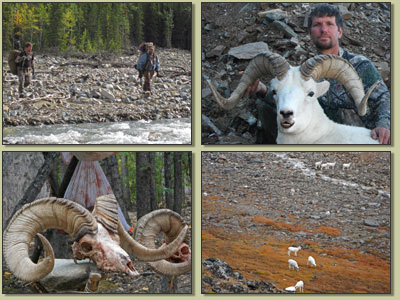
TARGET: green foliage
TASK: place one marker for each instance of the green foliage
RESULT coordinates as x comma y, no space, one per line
90,27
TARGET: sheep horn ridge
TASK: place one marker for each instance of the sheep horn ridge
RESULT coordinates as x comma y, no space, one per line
264,64
339,69
35,217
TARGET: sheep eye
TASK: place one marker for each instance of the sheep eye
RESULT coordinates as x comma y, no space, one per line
310,94
273,92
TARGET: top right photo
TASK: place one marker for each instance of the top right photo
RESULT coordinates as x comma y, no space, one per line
296,73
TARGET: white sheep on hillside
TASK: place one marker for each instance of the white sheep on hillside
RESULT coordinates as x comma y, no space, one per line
296,91
293,264
300,285
346,166
294,249
290,289
331,165
318,165
311,261
324,166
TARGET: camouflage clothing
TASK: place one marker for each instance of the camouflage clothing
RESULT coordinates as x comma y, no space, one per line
24,63
337,100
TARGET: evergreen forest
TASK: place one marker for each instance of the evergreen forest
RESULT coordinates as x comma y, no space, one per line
96,27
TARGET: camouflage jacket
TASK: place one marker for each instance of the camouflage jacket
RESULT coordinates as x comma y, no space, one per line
337,97
24,60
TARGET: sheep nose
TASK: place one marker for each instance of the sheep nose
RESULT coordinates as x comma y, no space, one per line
286,113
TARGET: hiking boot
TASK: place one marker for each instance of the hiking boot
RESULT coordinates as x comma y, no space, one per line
147,93
21,95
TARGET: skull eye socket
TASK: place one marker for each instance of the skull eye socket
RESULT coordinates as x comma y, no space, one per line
86,247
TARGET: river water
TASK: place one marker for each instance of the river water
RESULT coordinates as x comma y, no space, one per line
174,131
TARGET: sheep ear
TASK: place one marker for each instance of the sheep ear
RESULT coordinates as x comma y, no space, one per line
322,88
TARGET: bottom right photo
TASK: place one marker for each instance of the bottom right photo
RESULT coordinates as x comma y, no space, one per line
296,222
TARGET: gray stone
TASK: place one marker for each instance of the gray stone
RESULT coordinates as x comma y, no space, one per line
371,223
249,51
217,51
285,29
67,275
344,12
107,95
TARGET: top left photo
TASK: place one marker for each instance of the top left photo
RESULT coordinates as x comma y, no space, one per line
97,73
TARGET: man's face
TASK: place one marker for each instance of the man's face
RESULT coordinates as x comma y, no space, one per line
29,49
151,50
325,33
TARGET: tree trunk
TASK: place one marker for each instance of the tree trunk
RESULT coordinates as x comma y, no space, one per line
178,182
143,171
34,188
152,186
67,177
125,181
110,166
169,201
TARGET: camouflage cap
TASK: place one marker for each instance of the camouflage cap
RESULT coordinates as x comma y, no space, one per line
150,45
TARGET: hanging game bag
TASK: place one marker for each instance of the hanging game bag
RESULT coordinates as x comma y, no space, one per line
12,55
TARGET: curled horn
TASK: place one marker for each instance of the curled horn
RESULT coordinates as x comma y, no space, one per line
263,64
106,213
35,217
339,69
172,224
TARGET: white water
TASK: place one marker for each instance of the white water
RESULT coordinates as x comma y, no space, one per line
175,131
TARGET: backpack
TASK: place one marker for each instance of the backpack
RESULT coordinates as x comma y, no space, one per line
12,55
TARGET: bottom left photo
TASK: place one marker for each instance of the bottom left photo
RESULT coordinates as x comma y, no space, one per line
97,222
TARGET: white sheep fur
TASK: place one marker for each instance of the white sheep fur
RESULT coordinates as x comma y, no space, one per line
301,119
346,166
311,261
291,289
318,165
331,165
293,264
300,285
294,249
324,166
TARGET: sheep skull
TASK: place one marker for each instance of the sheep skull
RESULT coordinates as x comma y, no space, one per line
103,248
183,254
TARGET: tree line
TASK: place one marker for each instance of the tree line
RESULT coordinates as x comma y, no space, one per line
141,181
95,27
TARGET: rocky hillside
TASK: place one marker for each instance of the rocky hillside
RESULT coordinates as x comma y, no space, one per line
283,28
257,204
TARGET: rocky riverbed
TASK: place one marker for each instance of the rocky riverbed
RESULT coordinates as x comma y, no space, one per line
255,205
86,88
281,28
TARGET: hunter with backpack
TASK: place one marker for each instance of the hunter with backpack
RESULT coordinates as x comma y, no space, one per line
148,64
21,64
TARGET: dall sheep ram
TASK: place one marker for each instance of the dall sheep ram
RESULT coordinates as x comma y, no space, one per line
318,165
331,165
324,166
311,261
294,249
346,166
300,118
98,236
300,285
293,264
290,289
